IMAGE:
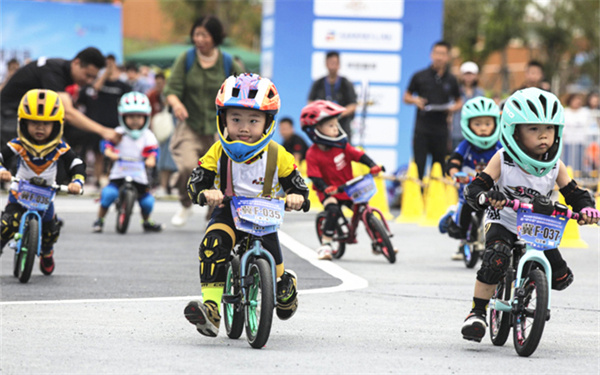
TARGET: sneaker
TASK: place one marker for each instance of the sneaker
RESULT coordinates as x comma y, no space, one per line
98,226
459,255
47,263
324,252
151,226
287,295
181,216
445,222
562,279
205,316
474,327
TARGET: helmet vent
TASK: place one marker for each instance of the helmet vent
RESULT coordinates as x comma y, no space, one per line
235,92
532,107
554,109
252,94
40,110
54,110
517,105
544,104
271,94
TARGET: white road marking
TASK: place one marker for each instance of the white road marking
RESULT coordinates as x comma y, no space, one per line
349,280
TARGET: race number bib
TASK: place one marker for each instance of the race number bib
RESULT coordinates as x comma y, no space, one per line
130,168
363,190
257,216
34,197
541,232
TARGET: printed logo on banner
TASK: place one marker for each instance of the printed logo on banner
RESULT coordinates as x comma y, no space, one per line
357,35
383,100
381,131
359,8
267,33
374,67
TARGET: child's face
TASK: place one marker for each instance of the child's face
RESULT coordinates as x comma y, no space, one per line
329,128
245,125
535,139
39,130
286,129
482,126
134,122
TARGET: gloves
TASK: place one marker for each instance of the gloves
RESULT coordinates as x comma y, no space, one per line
194,187
590,212
490,195
496,195
375,170
331,190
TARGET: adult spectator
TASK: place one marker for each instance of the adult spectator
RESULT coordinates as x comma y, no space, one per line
11,67
336,88
136,80
534,76
196,77
434,90
292,142
577,131
469,88
99,102
166,166
56,75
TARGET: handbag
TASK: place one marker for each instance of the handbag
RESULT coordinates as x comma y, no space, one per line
163,125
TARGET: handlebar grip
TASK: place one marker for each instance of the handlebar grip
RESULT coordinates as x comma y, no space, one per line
305,206
202,200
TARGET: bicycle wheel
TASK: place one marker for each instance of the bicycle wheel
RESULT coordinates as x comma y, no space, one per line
500,320
232,314
260,303
381,240
529,322
28,251
337,247
471,256
124,209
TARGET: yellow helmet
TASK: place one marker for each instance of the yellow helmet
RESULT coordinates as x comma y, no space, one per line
40,105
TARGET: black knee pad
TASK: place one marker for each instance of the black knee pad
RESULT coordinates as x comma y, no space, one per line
333,214
50,233
10,220
214,252
495,262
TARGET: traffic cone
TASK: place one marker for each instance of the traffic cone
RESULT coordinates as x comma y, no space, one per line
451,195
571,237
315,203
379,200
435,198
411,210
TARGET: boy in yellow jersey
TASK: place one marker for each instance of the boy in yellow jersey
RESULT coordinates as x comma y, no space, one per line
246,109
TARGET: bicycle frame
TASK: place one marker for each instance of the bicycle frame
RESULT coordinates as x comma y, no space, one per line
24,218
256,250
359,213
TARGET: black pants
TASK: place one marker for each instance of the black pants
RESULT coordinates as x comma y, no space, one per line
425,144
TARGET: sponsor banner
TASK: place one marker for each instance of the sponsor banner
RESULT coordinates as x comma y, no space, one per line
387,157
357,35
374,67
268,8
383,100
379,131
268,33
266,64
359,8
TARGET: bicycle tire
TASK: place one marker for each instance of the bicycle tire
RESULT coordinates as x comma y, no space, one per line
500,320
28,251
381,239
337,247
260,303
527,343
233,316
124,210
470,255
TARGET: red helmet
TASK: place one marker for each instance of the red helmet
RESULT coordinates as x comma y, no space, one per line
316,113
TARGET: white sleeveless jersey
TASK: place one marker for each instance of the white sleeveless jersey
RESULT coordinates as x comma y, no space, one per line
515,183
131,148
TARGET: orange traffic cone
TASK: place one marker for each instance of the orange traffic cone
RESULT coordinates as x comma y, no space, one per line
571,237
435,198
411,210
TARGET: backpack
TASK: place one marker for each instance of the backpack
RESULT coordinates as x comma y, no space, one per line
227,61
225,174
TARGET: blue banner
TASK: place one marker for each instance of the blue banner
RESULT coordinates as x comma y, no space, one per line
381,45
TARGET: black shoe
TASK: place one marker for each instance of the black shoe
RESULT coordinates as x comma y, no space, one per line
98,226
562,279
47,263
474,327
151,226
205,316
287,295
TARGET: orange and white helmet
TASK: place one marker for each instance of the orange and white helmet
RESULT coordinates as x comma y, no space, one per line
248,91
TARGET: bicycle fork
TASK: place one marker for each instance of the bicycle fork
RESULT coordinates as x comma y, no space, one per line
24,219
246,280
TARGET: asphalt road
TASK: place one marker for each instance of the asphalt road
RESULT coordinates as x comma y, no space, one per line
115,305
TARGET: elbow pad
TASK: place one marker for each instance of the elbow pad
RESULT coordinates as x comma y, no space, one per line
576,197
294,184
367,161
482,183
200,180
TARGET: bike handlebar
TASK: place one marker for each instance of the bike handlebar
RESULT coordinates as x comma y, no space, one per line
57,187
341,187
226,199
515,204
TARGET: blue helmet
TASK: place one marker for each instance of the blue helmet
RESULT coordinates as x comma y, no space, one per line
134,103
247,91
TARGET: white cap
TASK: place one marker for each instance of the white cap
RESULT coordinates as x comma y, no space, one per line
469,67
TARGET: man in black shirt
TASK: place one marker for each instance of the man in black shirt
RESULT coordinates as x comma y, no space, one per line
336,89
292,142
435,92
56,75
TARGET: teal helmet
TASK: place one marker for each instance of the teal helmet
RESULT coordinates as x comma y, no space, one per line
532,106
478,107
134,103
